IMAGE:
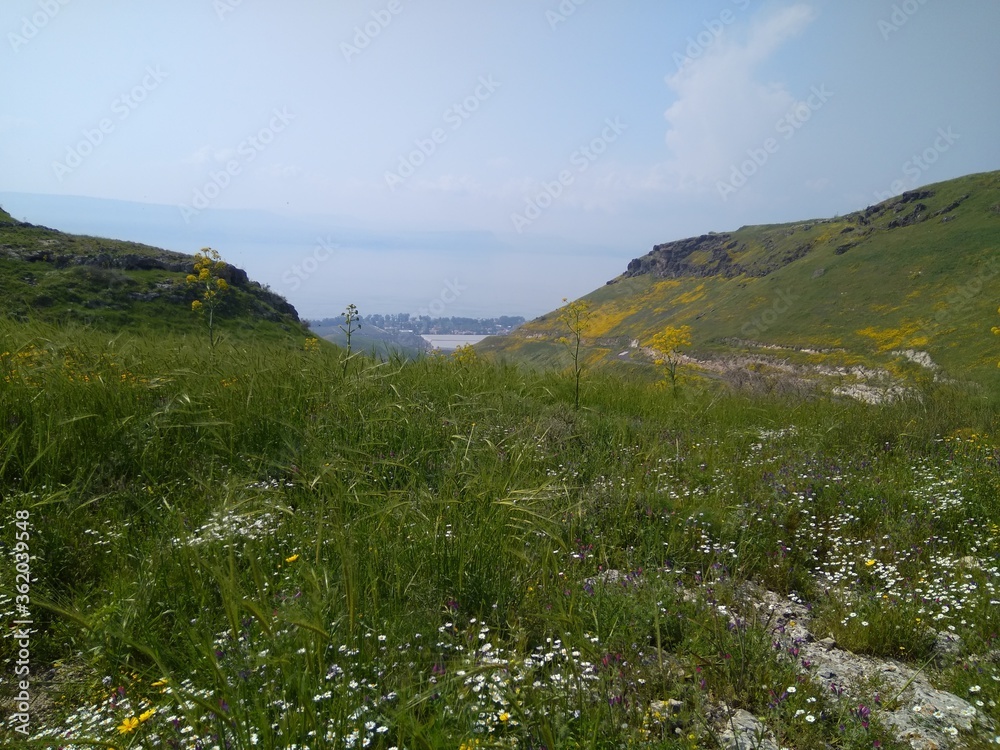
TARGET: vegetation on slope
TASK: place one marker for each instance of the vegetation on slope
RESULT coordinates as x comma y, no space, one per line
47,275
269,546
916,272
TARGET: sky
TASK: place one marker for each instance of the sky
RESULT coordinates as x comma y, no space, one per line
480,158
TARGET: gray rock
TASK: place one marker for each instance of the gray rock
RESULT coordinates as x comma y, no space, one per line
743,731
925,717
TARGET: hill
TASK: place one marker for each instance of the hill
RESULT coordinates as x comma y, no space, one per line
909,280
50,276
371,339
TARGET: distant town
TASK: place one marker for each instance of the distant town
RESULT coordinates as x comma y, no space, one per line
411,335
402,323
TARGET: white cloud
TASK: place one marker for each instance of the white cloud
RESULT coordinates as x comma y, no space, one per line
721,107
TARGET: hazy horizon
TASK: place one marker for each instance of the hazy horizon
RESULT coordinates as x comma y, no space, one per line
387,153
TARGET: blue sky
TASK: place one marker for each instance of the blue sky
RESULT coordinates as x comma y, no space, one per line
522,151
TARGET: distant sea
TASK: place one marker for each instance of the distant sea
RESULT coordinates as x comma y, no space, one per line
449,343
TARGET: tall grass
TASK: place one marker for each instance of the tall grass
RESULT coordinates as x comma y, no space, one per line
274,549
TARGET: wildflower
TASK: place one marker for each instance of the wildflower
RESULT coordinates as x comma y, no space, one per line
869,562
292,559
810,718
147,714
128,725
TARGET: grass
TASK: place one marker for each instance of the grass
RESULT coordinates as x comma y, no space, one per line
259,546
794,286
49,276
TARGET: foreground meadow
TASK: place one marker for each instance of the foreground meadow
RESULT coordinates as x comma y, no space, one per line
274,546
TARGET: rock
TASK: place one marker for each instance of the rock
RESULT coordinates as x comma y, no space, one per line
926,717
743,731
951,207
947,644
669,707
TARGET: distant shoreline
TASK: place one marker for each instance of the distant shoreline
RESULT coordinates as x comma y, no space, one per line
450,342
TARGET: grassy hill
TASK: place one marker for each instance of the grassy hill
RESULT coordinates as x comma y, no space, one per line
51,276
916,272
371,339
275,547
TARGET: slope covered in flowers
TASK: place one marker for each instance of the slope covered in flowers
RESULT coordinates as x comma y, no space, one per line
267,546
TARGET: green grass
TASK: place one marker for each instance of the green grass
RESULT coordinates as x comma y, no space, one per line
926,286
274,549
53,277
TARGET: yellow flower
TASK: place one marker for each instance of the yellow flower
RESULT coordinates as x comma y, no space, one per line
128,725
869,563
196,305
160,683
191,278
146,714
293,558
504,716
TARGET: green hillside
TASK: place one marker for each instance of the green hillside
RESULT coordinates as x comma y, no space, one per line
917,272
51,276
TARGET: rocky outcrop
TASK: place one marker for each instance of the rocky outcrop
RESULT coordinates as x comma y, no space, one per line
163,261
920,715
896,206
717,255
58,250
707,255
